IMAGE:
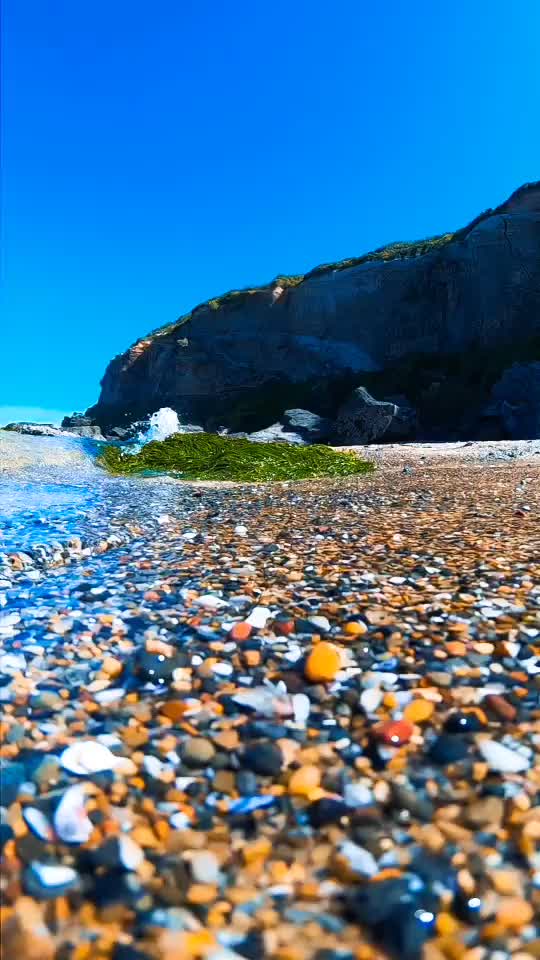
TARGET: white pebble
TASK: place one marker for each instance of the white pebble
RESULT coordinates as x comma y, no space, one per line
53,875
360,859
321,622
502,759
87,756
131,854
258,617
371,699
241,530
210,602
357,795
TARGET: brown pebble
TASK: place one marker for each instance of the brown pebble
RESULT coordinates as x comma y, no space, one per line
500,706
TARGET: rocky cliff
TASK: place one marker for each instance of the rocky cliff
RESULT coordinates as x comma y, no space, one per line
382,319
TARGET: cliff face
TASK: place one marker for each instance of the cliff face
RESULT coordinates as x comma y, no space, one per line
476,289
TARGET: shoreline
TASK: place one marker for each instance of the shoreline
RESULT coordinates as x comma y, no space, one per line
288,707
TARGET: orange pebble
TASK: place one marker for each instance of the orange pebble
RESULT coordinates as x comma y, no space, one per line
514,913
323,663
418,711
355,628
304,780
200,893
240,631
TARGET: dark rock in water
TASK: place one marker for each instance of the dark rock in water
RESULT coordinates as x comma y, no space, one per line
516,400
34,429
362,419
266,759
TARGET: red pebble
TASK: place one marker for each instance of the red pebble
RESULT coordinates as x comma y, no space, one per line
395,732
284,627
240,631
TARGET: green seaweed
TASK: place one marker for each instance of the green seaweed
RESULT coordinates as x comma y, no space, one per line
205,456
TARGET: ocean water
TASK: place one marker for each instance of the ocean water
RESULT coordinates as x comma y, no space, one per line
51,488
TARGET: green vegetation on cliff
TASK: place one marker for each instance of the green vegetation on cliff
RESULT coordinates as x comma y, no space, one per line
399,250
204,456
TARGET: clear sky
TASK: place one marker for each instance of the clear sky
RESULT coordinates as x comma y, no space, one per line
158,153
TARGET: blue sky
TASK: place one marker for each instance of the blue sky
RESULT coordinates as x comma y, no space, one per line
156,154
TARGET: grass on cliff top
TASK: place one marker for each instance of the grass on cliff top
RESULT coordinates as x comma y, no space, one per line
400,250
205,456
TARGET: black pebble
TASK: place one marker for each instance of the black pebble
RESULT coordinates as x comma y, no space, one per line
12,776
124,952
463,723
448,748
263,758
325,811
6,833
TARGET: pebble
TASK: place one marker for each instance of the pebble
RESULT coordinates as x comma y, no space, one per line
197,752
395,732
502,759
87,757
323,663
204,866
501,707
304,780
246,808
265,759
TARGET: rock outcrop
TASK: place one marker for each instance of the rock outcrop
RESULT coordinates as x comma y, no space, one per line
240,360
34,429
82,425
516,401
362,419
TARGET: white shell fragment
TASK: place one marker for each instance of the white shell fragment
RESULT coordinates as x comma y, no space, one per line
38,824
70,819
88,756
131,853
502,759
53,875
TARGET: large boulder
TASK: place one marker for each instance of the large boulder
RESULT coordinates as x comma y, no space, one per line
82,426
362,419
405,425
309,426
276,433
515,398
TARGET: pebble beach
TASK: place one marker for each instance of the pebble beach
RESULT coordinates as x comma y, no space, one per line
289,721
